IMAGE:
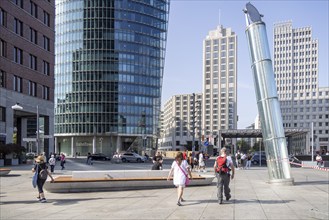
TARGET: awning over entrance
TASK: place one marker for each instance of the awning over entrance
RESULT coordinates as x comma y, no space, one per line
257,133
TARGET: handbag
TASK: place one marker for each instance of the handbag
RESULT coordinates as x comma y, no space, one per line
35,178
187,180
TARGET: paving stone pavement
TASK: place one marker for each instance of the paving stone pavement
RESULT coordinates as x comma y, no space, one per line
252,198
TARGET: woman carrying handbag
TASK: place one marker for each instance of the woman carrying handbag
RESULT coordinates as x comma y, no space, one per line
41,173
180,168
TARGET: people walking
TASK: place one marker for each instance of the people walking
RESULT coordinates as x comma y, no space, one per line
248,159
41,167
223,167
202,164
180,169
191,161
238,159
62,158
243,160
89,159
319,160
158,159
157,166
52,163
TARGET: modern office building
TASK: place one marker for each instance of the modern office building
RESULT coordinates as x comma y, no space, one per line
109,68
182,122
302,102
219,82
27,73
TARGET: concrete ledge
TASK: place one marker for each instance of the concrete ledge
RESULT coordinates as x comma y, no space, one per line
119,174
282,182
4,171
309,163
93,181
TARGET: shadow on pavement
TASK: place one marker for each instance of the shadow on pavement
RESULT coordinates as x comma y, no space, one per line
11,175
237,201
66,201
322,182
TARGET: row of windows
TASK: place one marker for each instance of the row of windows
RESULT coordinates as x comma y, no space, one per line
18,58
223,75
18,85
302,60
222,40
296,54
301,117
223,61
301,47
301,68
90,128
295,74
33,10
308,101
33,36
295,41
231,46
301,94
305,109
295,34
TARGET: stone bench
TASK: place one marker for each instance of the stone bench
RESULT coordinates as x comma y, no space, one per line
4,171
119,174
93,181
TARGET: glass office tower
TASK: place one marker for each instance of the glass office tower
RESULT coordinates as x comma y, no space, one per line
109,69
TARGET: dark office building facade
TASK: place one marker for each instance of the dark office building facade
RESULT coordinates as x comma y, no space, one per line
109,69
27,59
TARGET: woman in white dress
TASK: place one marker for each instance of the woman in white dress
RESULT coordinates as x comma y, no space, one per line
202,165
181,170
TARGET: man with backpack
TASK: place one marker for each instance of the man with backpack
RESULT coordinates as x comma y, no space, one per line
223,167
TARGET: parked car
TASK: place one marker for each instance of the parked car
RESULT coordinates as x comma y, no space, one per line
99,156
132,157
31,154
255,159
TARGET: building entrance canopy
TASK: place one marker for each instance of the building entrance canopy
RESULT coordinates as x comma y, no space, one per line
257,133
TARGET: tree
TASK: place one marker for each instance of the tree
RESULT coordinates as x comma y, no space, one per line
257,145
11,148
243,145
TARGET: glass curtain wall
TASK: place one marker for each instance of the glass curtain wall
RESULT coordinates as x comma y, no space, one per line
109,67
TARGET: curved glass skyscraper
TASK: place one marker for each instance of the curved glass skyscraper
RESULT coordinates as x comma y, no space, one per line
109,69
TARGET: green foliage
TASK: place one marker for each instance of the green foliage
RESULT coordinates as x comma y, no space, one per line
243,145
257,144
11,148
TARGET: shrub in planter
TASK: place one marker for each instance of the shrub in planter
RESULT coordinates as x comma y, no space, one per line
14,149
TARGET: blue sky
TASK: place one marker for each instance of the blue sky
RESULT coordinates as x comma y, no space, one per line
190,22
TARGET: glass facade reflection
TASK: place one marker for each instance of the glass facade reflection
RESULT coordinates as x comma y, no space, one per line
109,69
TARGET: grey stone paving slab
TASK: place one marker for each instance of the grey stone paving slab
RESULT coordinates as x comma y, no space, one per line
252,198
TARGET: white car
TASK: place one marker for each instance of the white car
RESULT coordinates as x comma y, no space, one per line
132,157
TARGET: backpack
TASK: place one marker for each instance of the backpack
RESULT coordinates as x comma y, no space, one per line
221,165
238,157
43,174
